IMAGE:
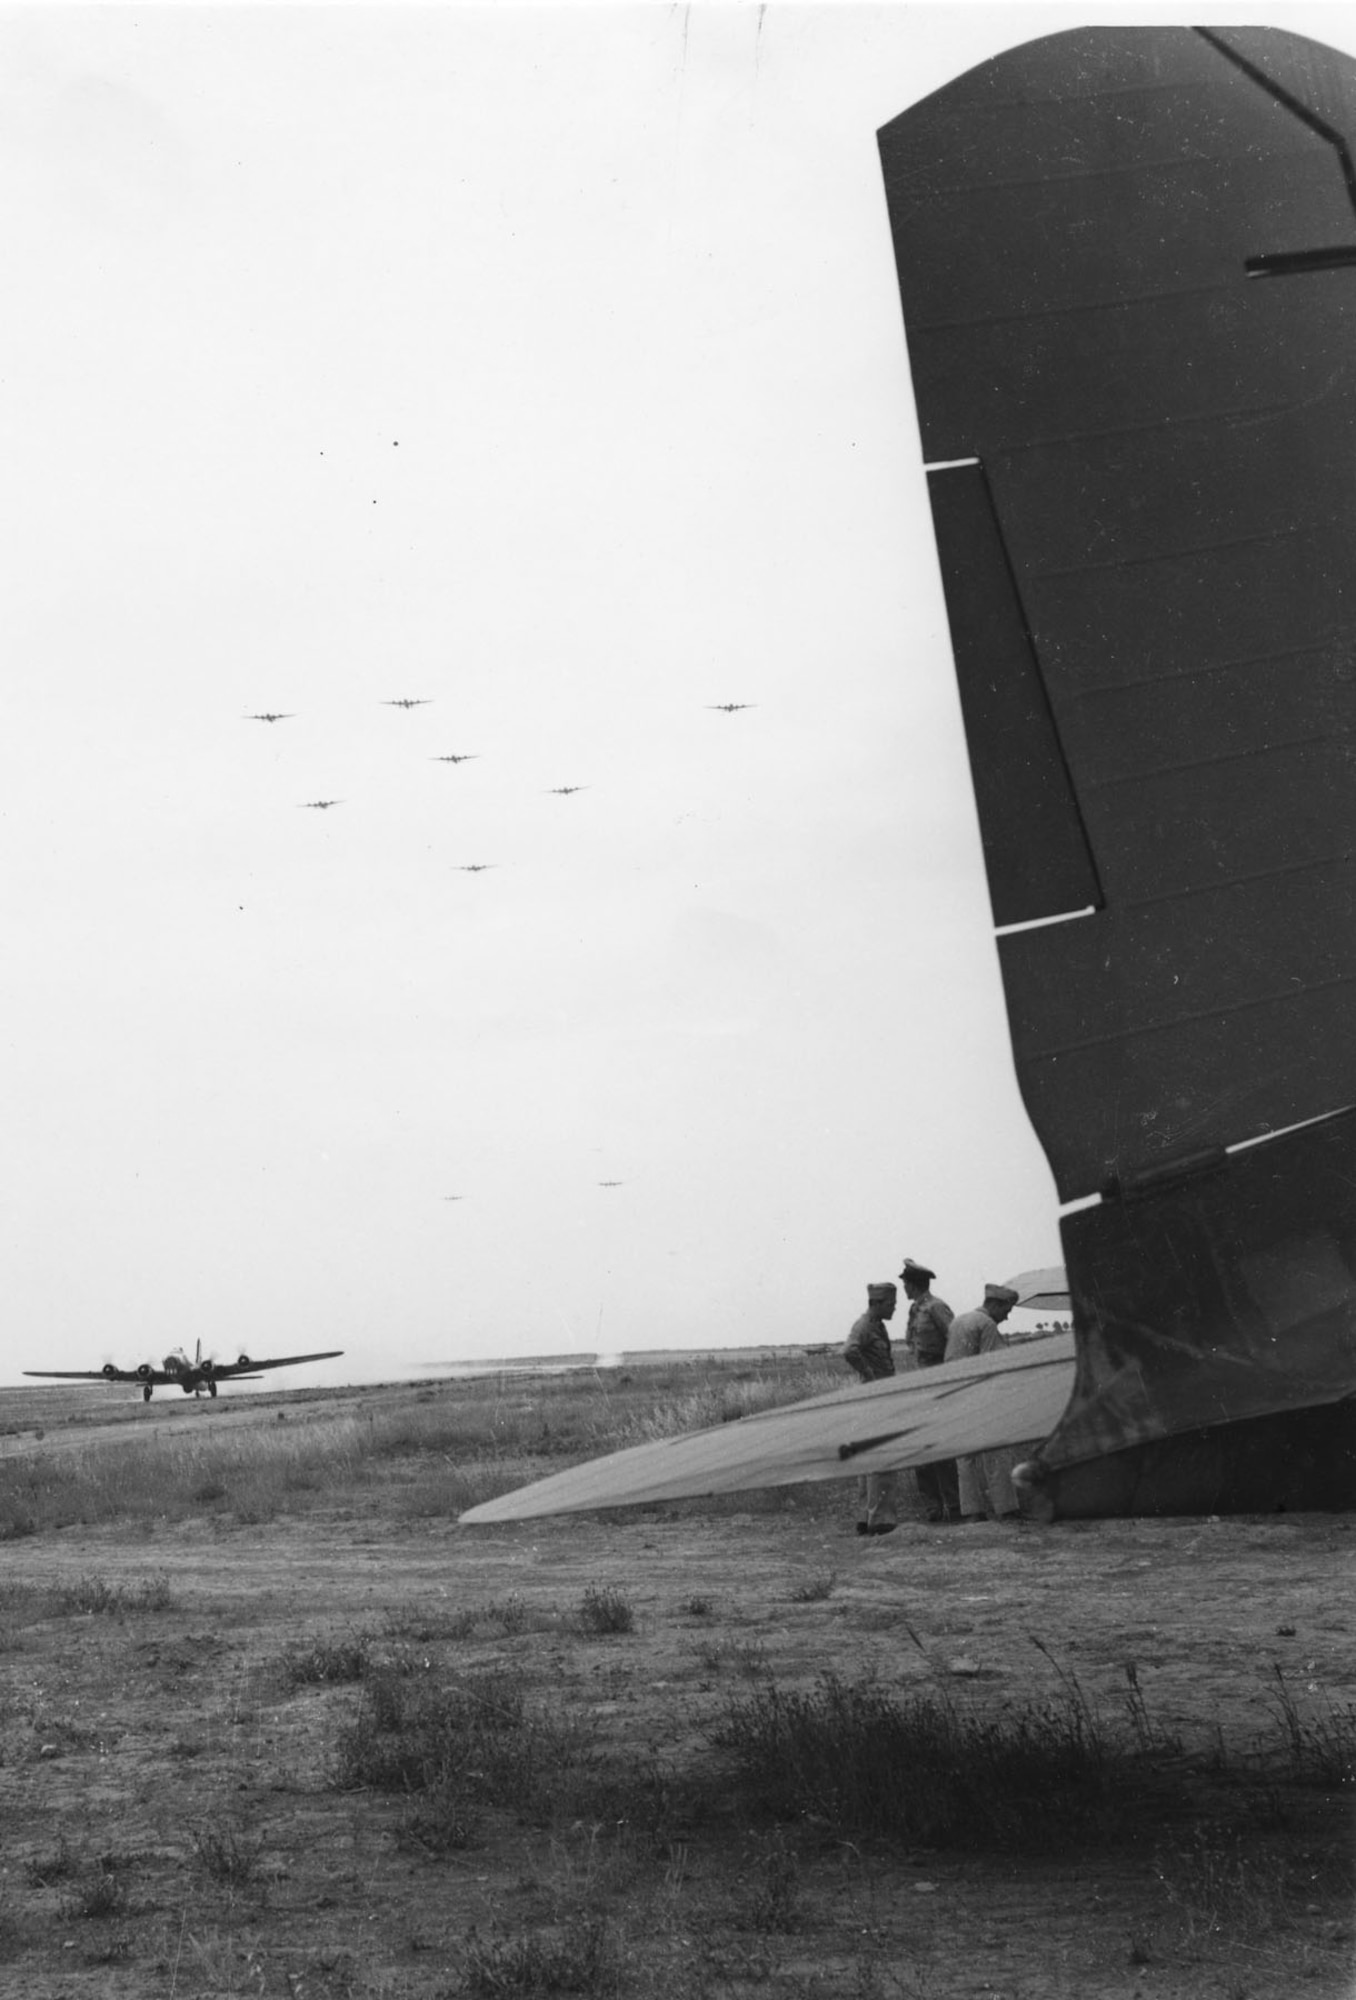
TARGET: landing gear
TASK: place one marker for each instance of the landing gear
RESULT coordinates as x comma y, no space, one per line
211,1388
145,1392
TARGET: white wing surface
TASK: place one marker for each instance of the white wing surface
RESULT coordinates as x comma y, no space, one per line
963,1406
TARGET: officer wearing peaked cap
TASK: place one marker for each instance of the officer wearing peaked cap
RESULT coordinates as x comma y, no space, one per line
925,1343
929,1317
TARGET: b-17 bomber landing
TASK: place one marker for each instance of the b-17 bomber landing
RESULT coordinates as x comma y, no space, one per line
191,1376
465,757
409,701
318,805
270,716
731,707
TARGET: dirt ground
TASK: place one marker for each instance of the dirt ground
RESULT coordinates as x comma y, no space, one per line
142,1743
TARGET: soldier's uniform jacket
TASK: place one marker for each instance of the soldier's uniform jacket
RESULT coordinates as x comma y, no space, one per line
973,1333
868,1351
929,1323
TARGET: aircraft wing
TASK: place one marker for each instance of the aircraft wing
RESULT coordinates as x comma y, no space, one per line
246,1369
1006,1398
92,1375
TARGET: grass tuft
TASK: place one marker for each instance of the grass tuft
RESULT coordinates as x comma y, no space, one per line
95,1596
920,1770
328,1662
606,1610
582,1957
99,1892
772,1903
227,1854
1321,1744
464,1745
814,1589
57,1866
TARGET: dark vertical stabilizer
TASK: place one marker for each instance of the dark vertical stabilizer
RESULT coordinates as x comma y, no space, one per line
1127,260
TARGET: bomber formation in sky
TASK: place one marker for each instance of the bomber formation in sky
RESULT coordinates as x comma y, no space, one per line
462,757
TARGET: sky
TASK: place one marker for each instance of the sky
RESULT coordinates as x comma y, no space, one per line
544,366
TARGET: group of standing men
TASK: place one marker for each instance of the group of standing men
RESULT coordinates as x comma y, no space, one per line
953,1489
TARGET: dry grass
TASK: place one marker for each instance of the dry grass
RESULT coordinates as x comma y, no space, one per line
430,1458
371,1757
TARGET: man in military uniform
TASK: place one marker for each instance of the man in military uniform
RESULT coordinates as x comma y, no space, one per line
868,1353
985,1477
925,1339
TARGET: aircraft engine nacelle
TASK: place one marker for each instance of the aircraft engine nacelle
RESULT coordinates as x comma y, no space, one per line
109,1370
244,1362
207,1369
145,1370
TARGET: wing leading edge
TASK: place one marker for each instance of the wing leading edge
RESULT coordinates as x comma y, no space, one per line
237,1368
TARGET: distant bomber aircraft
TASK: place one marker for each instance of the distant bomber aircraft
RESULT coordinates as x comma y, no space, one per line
563,791
191,1376
268,718
319,805
466,757
474,867
408,701
731,707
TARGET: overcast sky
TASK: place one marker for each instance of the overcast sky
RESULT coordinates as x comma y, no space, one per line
545,366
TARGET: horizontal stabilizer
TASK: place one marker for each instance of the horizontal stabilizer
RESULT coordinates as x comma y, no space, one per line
1045,1290
1012,1397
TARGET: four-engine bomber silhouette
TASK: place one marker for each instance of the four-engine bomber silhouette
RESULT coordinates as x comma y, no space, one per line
177,1370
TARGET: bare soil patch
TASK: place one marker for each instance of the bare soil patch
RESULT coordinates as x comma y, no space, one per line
178,1698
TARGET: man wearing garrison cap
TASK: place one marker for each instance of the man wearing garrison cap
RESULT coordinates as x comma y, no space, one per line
985,1476
925,1344
868,1353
